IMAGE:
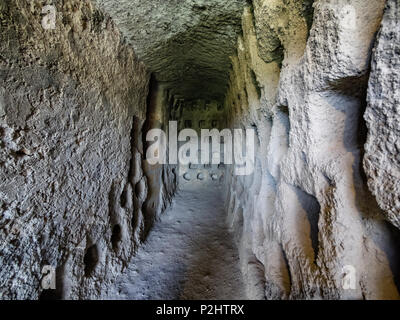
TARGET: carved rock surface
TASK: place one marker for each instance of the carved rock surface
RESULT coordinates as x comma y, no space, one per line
318,218
307,225
382,159
72,187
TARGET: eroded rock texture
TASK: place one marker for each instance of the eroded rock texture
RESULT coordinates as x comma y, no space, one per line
72,181
306,219
382,160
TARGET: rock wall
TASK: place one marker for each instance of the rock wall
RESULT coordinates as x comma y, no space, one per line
198,115
162,180
382,160
72,179
306,223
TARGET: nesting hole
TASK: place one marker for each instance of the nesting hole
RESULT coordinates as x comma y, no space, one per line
116,236
90,260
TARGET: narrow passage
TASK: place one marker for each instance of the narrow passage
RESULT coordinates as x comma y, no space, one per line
189,254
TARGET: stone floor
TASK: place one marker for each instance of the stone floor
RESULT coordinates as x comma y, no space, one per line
189,254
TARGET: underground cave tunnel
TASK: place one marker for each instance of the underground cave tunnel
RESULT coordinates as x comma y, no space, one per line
312,85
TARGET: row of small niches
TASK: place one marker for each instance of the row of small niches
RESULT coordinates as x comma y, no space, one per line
206,166
201,176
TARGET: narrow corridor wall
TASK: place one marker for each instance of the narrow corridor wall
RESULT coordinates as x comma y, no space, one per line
306,221
162,180
72,183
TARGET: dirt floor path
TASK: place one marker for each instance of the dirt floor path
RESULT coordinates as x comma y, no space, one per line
189,254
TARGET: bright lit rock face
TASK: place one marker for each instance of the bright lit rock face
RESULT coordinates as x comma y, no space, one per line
318,81
306,219
186,43
382,160
200,115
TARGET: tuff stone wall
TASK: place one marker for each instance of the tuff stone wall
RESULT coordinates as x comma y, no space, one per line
382,159
198,115
162,180
72,180
306,220
319,217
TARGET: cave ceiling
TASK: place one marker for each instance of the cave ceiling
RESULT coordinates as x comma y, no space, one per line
186,44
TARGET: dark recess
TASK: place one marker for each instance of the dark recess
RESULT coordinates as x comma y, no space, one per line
116,236
90,260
